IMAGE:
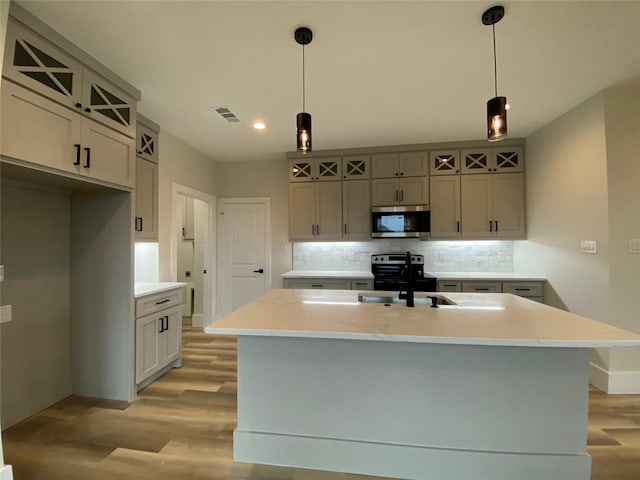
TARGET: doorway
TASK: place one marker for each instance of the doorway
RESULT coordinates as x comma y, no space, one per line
192,252
244,253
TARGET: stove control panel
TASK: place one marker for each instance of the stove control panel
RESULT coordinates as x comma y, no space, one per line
396,259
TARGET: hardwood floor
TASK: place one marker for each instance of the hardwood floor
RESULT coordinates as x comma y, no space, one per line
181,426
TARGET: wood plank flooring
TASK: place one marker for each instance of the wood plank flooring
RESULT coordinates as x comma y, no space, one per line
181,427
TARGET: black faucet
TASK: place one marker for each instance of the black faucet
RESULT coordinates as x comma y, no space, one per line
408,276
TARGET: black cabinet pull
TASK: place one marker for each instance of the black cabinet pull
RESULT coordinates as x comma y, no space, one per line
450,285
166,325
161,325
345,228
490,226
260,270
522,289
87,163
88,110
458,227
317,229
77,162
78,105
481,289
317,285
139,152
163,301
496,225
138,224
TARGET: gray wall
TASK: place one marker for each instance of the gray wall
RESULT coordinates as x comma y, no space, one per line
582,177
263,179
36,364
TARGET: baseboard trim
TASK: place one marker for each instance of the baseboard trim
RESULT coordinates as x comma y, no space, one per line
615,383
413,462
197,320
6,472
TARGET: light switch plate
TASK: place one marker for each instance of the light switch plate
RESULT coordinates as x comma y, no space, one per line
589,246
5,313
634,245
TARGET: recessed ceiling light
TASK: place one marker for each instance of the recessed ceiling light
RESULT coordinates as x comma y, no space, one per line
259,125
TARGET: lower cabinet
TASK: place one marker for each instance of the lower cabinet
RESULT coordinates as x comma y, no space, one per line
158,334
532,290
328,283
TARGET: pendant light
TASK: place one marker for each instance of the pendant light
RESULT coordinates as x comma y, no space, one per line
303,36
497,106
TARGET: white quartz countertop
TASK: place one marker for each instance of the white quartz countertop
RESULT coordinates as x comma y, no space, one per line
478,319
327,274
496,276
143,289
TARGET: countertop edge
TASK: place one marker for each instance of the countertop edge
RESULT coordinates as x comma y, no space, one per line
150,288
495,342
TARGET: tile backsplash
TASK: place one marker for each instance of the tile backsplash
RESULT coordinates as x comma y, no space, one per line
439,256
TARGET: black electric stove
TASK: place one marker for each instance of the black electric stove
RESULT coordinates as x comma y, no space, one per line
389,272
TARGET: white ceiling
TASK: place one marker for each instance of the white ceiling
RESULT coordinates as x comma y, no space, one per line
378,73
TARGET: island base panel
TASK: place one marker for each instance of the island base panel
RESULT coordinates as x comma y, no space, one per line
404,461
399,409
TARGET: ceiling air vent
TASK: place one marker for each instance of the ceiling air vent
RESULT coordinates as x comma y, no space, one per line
227,114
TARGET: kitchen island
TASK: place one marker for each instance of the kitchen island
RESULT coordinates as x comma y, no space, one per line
495,386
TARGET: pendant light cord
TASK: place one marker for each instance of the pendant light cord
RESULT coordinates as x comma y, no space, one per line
304,109
495,61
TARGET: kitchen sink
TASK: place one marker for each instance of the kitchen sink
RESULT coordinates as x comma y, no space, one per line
419,299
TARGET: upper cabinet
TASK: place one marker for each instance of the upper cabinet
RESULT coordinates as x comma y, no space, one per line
487,160
405,164
39,65
356,167
61,110
315,169
146,221
444,162
146,141
40,131
472,192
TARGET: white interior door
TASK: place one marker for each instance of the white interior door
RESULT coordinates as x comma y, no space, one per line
244,257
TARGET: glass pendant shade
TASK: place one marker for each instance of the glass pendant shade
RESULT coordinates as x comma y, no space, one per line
496,119
303,135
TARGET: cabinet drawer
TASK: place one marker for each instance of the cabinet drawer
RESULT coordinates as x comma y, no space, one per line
482,287
523,289
159,301
318,283
361,284
449,286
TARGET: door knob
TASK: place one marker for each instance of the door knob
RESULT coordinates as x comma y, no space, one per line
261,270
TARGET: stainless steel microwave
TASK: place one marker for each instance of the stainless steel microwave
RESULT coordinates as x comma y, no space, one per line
407,221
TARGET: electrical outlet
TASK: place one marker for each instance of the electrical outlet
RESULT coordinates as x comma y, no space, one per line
187,274
634,245
589,246
5,314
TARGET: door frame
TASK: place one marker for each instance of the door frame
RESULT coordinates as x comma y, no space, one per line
266,201
209,287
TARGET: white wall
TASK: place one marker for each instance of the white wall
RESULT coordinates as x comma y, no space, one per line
566,199
622,126
582,182
36,255
263,179
179,163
